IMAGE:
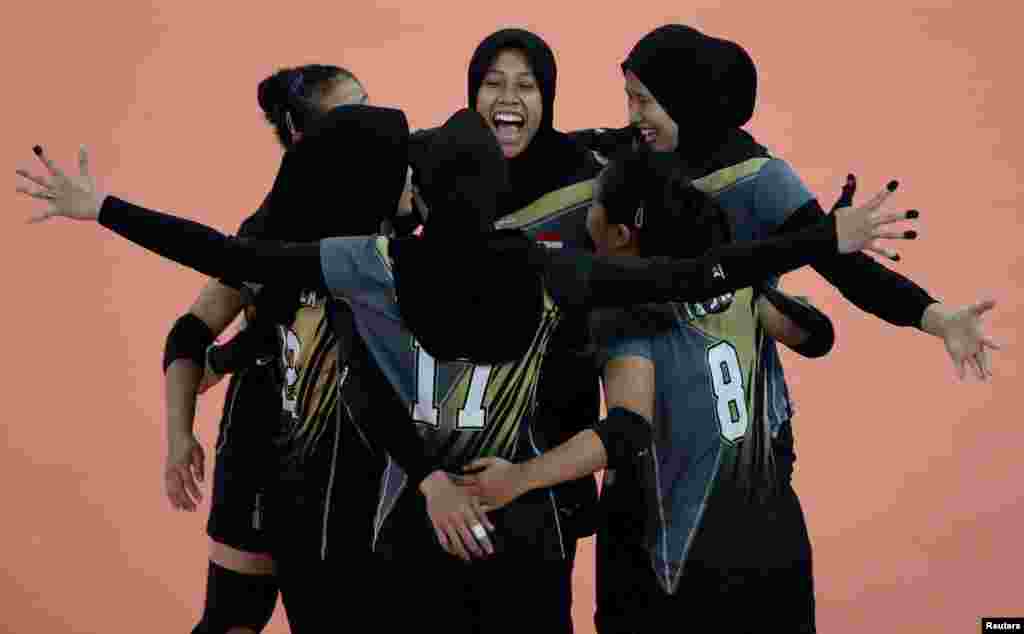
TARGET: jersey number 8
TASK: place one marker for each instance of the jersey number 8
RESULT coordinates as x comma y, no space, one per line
727,384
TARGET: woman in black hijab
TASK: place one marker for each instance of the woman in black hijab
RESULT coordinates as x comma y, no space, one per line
691,93
513,73
548,189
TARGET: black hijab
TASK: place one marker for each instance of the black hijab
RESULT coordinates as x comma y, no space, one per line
463,275
461,177
342,178
552,160
708,86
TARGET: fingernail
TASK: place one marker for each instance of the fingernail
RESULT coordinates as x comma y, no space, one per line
892,185
38,149
850,179
913,213
910,235
896,258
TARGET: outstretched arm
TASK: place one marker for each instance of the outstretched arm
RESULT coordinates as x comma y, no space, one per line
189,243
882,292
584,281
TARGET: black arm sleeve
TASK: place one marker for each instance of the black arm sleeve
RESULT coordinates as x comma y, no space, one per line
397,436
596,282
867,284
212,253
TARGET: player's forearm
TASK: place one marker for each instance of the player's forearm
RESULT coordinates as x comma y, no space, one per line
581,455
867,284
627,281
210,252
180,385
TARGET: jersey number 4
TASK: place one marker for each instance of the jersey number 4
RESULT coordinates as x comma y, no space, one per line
727,384
472,416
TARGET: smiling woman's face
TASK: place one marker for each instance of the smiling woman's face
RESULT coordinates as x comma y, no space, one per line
658,129
509,100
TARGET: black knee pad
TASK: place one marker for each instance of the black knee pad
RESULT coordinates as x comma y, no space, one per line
234,599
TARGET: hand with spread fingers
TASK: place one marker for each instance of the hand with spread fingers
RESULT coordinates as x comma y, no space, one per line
73,197
961,331
959,328
863,228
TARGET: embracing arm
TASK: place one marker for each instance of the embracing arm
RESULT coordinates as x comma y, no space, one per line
210,252
612,442
585,281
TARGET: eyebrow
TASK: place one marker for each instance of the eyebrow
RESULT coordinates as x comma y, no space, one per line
501,72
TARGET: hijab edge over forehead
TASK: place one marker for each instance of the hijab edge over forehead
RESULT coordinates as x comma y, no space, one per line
695,77
551,160
538,55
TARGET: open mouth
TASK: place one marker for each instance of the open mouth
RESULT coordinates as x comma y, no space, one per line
508,126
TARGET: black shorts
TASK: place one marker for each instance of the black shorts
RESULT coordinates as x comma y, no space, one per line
243,452
751,575
514,592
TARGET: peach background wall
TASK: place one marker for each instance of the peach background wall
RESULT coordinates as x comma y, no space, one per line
911,481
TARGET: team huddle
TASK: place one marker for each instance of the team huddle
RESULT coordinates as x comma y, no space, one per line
412,425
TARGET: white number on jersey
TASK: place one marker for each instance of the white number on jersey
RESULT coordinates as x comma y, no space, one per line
290,347
727,384
471,417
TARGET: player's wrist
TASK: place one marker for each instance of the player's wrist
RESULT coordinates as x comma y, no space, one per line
430,484
527,477
935,319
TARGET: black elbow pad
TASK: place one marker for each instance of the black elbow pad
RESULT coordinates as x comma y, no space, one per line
257,341
625,435
821,334
189,338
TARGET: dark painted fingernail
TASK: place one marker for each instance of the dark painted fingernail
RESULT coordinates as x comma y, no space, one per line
892,185
38,149
913,213
850,179
910,235
896,258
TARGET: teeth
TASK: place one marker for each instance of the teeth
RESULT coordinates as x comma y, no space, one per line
506,117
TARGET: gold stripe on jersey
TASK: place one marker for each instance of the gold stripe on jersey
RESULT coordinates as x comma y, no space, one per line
549,205
508,402
311,372
726,177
